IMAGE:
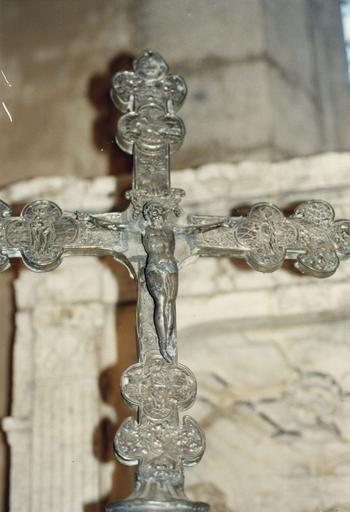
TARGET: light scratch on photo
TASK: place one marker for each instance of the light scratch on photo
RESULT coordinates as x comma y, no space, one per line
5,78
7,111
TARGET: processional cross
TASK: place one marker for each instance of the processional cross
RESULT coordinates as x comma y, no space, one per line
153,238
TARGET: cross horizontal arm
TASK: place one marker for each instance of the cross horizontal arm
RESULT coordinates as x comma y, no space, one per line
265,238
42,235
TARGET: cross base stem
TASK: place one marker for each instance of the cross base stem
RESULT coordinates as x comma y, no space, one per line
142,505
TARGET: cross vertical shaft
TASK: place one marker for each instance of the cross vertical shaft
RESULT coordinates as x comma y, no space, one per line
157,386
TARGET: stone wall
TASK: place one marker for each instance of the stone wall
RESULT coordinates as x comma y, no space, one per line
52,53
267,80
57,413
274,400
64,345
258,74
270,351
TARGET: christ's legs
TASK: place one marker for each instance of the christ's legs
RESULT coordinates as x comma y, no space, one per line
163,289
161,321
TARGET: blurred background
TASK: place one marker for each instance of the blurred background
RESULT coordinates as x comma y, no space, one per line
268,116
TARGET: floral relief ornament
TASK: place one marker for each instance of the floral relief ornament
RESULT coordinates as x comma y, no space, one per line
310,235
149,440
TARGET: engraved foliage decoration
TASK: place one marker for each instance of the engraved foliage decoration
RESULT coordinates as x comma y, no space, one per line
310,234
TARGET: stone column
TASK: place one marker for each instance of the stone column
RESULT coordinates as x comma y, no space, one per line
65,337
6,321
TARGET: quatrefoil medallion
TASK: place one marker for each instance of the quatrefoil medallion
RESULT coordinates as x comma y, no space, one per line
149,83
267,234
158,388
320,238
341,236
311,232
151,130
40,234
148,441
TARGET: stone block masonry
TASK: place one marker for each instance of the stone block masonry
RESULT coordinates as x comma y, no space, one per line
269,87
267,79
271,358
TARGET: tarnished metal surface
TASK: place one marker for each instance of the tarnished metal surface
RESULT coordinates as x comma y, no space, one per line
145,238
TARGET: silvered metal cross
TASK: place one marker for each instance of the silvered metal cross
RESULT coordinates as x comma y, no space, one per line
154,238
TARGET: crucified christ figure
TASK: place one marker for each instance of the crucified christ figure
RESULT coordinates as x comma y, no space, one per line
161,271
